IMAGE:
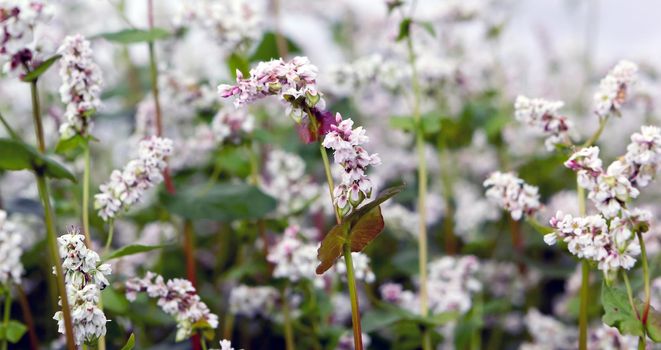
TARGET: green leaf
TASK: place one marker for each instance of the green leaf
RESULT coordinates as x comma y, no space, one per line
221,202
404,29
382,197
237,62
618,312
13,332
16,155
378,319
130,250
132,36
114,301
428,26
539,227
366,229
431,123
129,343
267,49
653,325
65,145
331,248
34,74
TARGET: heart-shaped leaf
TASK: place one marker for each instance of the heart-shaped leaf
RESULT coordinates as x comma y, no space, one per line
34,74
65,145
618,312
16,155
366,229
13,331
331,248
132,36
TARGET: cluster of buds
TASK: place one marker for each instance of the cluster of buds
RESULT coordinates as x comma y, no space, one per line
614,88
81,86
126,187
294,82
17,21
85,277
346,142
544,116
177,298
512,194
232,126
11,267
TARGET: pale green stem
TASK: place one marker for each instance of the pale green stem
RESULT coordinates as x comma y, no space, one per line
51,236
355,310
422,194
641,339
203,342
7,313
289,331
646,277
585,283
111,230
86,196
597,134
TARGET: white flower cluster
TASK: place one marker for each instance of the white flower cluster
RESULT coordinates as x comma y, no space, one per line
17,21
81,86
225,345
371,69
606,337
232,125
612,245
253,301
544,116
178,298
643,155
361,267
512,194
452,281
294,82
471,211
614,88
11,267
233,24
284,178
548,333
295,259
85,278
346,142
506,280
126,187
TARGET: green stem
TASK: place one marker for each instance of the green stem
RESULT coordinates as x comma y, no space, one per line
111,229
7,313
355,311
329,180
597,134
422,194
86,196
646,277
49,219
629,293
289,332
204,343
583,311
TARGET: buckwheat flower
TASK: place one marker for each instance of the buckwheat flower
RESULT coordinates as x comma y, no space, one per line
18,19
452,281
614,88
544,116
606,337
295,259
253,301
232,125
127,186
81,86
512,194
548,333
588,166
11,267
346,142
613,190
225,345
391,292
284,178
85,277
644,155
361,266
294,82
177,298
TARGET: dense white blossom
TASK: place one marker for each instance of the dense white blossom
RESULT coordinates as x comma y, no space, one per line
615,88
85,277
232,125
284,178
643,155
548,333
294,259
18,19
588,166
253,301
512,194
177,298
361,266
544,116
81,86
346,142
11,251
127,186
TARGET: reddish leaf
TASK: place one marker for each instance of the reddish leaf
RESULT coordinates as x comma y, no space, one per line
366,229
331,248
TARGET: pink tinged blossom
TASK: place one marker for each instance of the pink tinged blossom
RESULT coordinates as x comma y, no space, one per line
544,116
512,194
644,155
615,88
126,187
11,268
18,18
588,165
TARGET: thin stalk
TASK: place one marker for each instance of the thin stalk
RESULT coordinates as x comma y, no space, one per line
355,311
597,134
189,248
27,317
585,284
329,180
51,236
228,329
111,230
289,332
254,180
86,196
629,293
7,314
422,194
204,343
646,277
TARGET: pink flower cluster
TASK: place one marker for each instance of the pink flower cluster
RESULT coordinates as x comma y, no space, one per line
17,21
126,187
294,82
512,194
346,141
543,115
614,88
178,298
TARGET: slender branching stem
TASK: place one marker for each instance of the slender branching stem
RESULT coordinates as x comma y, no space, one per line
289,331
86,195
